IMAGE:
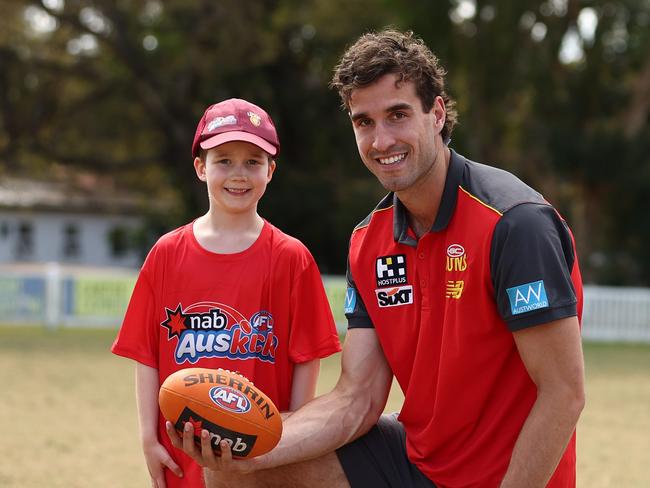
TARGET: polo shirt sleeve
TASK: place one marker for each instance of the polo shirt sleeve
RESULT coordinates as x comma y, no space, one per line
531,259
355,310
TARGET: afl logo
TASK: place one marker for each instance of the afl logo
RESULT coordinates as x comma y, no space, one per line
455,251
230,399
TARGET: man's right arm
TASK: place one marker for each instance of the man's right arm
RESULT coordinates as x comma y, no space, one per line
324,424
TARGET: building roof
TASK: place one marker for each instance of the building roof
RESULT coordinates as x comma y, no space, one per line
89,196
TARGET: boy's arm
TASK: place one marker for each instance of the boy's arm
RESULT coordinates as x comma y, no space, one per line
156,456
303,388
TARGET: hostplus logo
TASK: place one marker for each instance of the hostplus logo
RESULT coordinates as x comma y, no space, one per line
210,329
392,290
391,270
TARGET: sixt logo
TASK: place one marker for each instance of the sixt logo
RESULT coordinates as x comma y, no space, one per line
524,298
394,297
229,399
391,270
209,329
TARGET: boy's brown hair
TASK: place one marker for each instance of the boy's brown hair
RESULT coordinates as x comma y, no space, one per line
392,52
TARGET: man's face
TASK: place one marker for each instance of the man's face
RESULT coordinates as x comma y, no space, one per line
397,141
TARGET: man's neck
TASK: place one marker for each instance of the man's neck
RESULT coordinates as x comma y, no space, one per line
422,201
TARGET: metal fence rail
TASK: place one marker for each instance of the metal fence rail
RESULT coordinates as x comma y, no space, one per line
57,296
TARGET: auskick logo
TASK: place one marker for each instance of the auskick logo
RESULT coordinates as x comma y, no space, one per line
211,329
524,298
391,270
230,399
394,297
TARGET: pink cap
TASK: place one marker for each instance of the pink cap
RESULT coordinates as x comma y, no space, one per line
236,120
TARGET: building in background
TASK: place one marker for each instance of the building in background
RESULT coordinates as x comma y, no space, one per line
84,222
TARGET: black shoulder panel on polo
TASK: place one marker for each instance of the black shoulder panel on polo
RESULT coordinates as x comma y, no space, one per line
495,187
532,244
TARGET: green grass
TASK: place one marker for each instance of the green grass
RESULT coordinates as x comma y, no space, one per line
70,420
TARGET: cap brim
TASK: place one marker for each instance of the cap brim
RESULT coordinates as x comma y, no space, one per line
234,135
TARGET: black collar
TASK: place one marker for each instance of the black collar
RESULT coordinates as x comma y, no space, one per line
447,203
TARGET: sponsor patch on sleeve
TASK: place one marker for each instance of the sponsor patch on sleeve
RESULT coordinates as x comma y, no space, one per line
528,297
350,300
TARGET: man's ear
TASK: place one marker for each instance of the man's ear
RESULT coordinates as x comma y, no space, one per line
439,113
199,167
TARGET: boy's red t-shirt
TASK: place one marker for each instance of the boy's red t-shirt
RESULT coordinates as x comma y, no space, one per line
258,312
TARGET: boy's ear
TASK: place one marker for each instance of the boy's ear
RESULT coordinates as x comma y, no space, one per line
199,167
271,169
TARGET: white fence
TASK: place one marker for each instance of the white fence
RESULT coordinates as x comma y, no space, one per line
57,296
616,314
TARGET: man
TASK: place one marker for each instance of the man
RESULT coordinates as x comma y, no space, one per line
464,285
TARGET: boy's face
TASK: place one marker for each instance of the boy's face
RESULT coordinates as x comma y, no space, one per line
236,174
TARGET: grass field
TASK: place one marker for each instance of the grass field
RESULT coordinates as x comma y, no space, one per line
70,420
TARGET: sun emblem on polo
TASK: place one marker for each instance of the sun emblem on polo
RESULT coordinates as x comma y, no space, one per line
255,119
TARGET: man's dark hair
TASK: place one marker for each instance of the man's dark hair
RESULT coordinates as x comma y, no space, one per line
392,52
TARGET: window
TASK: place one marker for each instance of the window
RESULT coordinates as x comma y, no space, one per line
25,243
71,245
118,238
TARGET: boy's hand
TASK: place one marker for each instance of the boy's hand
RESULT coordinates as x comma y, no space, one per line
158,459
206,456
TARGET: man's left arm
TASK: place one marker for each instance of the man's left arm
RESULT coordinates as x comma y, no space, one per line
552,355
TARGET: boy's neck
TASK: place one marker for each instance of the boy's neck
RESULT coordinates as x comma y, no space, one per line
227,234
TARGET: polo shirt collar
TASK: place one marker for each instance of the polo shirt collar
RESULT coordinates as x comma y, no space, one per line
445,211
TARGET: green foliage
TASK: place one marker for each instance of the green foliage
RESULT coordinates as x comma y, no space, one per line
119,86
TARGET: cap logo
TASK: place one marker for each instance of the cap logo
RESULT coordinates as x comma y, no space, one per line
255,119
219,122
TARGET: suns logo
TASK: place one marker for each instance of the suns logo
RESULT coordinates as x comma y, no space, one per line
456,258
230,399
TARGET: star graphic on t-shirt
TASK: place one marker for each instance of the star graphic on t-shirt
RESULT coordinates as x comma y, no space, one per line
175,322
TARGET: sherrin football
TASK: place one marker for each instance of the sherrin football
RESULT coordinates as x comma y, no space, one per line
224,403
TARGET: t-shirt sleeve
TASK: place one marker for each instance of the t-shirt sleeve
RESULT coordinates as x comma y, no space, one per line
532,257
355,309
137,338
313,331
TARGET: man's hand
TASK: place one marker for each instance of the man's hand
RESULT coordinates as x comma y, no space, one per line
206,456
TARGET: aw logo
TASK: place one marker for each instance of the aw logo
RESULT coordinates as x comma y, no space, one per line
524,298
230,399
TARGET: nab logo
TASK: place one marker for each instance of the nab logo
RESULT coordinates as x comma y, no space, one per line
350,300
394,297
524,298
230,399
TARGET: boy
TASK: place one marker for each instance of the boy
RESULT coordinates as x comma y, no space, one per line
227,290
